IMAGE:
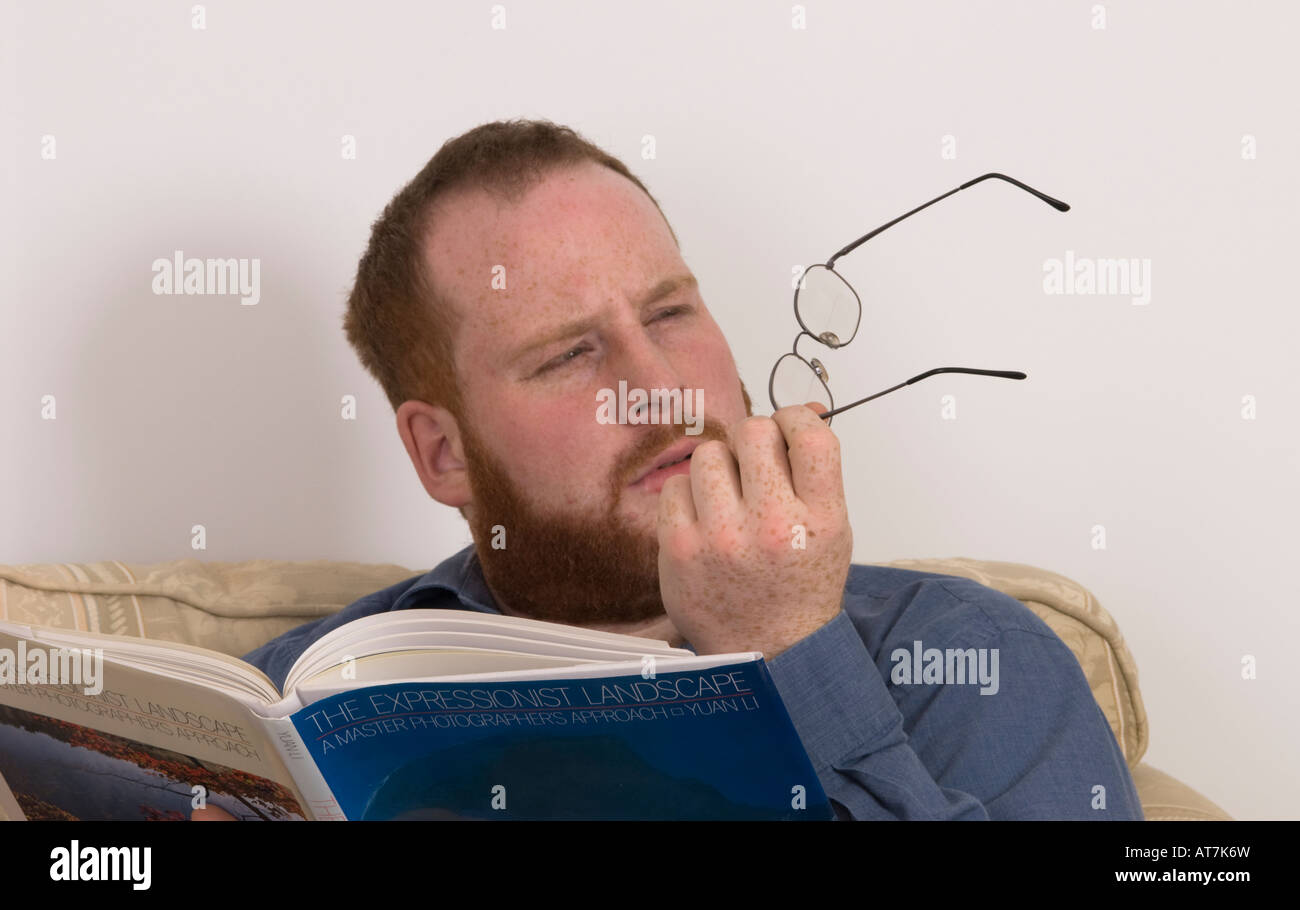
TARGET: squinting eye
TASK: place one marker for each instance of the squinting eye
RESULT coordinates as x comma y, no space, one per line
566,358
671,311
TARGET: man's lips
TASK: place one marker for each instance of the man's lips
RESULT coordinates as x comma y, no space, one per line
670,462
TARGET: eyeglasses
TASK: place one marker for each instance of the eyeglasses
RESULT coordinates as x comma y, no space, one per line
829,311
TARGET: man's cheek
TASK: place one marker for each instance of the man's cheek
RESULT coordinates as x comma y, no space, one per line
571,478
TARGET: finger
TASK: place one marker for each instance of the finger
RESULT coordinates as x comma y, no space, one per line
817,407
715,482
764,467
813,451
676,506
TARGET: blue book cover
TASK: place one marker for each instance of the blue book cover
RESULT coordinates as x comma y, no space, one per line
711,743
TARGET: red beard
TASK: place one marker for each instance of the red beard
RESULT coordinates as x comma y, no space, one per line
571,569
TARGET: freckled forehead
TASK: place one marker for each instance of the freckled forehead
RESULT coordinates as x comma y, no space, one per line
583,231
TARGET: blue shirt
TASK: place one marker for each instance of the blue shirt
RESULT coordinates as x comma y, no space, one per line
893,729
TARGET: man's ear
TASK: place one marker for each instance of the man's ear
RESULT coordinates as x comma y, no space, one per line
432,438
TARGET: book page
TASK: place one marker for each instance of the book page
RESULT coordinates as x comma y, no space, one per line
434,627
168,658
86,738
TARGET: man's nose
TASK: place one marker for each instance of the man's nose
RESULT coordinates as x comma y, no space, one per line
645,365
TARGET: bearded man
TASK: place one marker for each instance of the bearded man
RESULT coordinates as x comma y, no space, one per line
519,274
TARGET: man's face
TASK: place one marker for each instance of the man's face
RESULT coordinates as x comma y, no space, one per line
579,258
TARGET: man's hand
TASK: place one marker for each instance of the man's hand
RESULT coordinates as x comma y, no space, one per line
754,549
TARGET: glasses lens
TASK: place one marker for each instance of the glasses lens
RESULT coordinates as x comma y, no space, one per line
795,382
827,307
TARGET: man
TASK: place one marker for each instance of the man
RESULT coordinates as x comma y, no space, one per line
522,272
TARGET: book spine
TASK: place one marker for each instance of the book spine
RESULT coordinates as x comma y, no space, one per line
320,802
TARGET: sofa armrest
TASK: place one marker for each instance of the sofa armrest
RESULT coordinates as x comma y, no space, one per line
1165,799
1079,620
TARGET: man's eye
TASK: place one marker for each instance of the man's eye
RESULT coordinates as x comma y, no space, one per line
670,312
566,358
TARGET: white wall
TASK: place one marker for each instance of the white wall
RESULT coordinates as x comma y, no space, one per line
775,147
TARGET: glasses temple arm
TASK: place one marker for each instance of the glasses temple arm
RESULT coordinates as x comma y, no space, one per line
1054,203
1001,374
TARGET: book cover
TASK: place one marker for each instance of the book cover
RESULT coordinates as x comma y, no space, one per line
708,743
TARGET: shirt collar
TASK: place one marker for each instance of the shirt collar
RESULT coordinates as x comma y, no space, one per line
461,575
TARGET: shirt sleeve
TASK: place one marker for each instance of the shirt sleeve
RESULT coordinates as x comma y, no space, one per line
1037,748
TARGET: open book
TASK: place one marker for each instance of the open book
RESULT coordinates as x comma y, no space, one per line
411,714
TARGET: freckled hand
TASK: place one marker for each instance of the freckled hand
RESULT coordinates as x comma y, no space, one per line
755,544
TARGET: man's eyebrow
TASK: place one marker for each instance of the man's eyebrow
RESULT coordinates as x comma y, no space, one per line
665,288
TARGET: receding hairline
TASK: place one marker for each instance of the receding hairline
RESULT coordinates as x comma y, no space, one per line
506,194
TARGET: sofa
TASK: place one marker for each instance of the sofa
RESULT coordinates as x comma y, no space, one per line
234,607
